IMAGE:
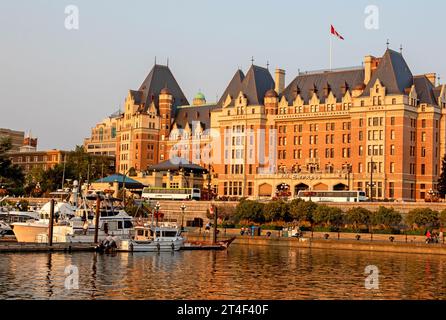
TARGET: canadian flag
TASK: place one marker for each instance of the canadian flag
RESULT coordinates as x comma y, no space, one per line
335,33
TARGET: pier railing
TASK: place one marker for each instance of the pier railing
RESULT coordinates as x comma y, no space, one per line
339,236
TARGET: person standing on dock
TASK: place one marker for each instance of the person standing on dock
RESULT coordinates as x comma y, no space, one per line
428,236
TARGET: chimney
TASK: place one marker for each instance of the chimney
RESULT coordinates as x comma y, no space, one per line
432,78
368,60
280,80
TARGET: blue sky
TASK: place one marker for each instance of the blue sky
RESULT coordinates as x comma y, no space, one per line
59,83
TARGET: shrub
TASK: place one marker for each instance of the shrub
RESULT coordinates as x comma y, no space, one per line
250,210
328,216
303,211
357,217
386,217
277,210
423,218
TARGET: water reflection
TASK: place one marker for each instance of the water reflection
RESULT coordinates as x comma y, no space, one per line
239,273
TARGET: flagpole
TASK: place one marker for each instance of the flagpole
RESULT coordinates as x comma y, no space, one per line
331,54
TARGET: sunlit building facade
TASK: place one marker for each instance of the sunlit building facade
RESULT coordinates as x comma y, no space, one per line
376,128
102,140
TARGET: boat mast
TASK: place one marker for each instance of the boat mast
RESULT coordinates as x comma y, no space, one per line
151,226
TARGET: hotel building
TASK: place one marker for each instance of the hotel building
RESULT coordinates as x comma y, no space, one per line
376,128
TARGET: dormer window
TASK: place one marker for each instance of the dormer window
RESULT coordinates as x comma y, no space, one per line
327,90
377,89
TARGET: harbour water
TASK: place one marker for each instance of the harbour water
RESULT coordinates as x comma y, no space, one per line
242,272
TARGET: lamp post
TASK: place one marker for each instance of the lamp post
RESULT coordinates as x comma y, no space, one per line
157,210
348,167
371,185
283,190
183,208
431,195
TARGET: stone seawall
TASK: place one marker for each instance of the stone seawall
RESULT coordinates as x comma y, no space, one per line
306,243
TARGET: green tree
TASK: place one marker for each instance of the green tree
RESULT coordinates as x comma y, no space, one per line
423,218
328,216
358,216
32,180
86,166
277,211
442,179
225,213
303,211
51,179
11,175
386,217
79,165
250,210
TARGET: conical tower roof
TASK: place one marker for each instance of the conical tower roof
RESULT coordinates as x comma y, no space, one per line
159,78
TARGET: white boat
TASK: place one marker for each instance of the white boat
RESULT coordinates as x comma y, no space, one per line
32,229
117,224
76,223
153,239
10,216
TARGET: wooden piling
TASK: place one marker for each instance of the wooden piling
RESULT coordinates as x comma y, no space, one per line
51,225
214,240
96,227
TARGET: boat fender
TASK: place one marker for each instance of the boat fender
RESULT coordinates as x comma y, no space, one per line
173,246
131,247
158,246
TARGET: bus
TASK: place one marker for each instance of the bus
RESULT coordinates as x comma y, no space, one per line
332,196
171,193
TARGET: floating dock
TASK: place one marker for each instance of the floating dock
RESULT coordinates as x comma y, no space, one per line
43,247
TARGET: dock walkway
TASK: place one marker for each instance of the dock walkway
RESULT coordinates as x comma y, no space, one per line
43,247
